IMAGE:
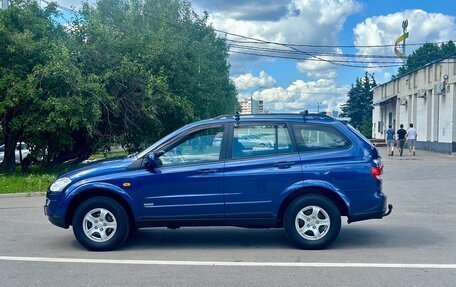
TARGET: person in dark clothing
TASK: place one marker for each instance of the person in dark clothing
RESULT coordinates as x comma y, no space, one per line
401,138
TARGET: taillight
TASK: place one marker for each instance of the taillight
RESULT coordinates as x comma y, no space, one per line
377,172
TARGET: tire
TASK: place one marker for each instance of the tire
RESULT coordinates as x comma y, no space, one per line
101,224
322,219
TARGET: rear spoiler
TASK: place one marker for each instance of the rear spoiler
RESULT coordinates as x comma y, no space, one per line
344,120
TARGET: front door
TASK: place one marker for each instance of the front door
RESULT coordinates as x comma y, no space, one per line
188,182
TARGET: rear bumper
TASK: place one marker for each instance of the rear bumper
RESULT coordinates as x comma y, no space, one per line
387,209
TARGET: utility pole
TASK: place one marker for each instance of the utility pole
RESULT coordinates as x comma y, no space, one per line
4,4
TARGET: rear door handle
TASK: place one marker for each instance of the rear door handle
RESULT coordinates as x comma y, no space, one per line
207,171
284,164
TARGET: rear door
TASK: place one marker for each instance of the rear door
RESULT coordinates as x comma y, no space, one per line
262,163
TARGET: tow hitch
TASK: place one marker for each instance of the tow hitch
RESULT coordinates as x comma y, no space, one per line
388,212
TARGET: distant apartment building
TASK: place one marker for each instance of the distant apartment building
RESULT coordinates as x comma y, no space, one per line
251,106
425,97
3,4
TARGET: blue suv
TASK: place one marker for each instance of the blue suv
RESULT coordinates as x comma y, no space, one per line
297,171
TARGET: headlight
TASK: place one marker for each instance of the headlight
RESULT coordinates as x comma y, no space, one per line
60,184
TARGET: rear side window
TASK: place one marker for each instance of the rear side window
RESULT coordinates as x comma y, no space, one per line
260,140
319,137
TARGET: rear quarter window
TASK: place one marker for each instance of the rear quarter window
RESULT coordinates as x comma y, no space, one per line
316,137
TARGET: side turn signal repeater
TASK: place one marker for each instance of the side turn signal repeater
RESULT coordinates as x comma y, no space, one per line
126,184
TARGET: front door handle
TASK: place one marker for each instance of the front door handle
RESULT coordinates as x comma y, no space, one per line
207,171
284,164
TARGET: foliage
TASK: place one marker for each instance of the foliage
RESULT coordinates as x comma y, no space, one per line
425,54
27,33
124,72
359,104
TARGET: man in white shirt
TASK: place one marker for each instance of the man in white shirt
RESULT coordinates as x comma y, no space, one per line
411,139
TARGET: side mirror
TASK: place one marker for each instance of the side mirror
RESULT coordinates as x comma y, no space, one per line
151,159
150,163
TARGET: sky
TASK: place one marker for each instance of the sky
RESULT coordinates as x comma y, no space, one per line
312,80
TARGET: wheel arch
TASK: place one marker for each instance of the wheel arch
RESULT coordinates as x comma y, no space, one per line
341,204
96,192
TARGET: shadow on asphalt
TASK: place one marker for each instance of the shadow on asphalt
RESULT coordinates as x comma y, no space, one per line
214,238
351,237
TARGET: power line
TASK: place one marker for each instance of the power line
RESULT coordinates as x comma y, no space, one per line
368,56
284,45
341,46
280,52
317,59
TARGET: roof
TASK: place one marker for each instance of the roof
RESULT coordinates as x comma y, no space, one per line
417,69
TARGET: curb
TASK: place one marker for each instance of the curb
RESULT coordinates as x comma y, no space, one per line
23,194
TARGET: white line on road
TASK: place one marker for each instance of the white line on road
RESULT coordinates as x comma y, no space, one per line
227,263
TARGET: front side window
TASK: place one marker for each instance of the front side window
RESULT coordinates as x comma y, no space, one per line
197,147
260,140
319,137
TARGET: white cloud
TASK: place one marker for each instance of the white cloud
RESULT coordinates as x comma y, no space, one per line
385,29
248,81
301,95
317,69
306,21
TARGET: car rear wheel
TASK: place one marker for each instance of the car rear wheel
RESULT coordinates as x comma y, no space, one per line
101,224
312,222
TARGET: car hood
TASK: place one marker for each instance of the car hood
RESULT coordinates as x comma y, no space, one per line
99,168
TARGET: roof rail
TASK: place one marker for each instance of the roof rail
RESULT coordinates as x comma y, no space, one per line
304,115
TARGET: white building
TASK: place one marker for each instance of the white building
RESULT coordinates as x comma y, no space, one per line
425,97
251,106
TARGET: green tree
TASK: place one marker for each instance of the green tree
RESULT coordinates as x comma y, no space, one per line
26,33
359,104
162,65
122,72
425,54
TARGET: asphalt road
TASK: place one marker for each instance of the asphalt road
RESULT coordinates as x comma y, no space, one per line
415,246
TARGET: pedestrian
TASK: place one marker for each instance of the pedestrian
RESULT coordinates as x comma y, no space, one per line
411,139
390,137
401,138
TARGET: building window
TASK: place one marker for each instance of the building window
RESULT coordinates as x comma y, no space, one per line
429,74
454,66
414,80
435,73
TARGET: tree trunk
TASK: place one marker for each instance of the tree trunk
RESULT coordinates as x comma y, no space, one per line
9,161
81,151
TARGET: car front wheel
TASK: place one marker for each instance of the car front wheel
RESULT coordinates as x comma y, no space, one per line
100,224
312,222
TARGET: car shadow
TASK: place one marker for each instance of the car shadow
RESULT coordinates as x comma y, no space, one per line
191,238
350,237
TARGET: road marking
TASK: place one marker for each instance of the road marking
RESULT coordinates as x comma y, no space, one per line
228,263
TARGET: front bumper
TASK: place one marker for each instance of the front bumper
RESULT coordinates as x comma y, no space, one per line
49,210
